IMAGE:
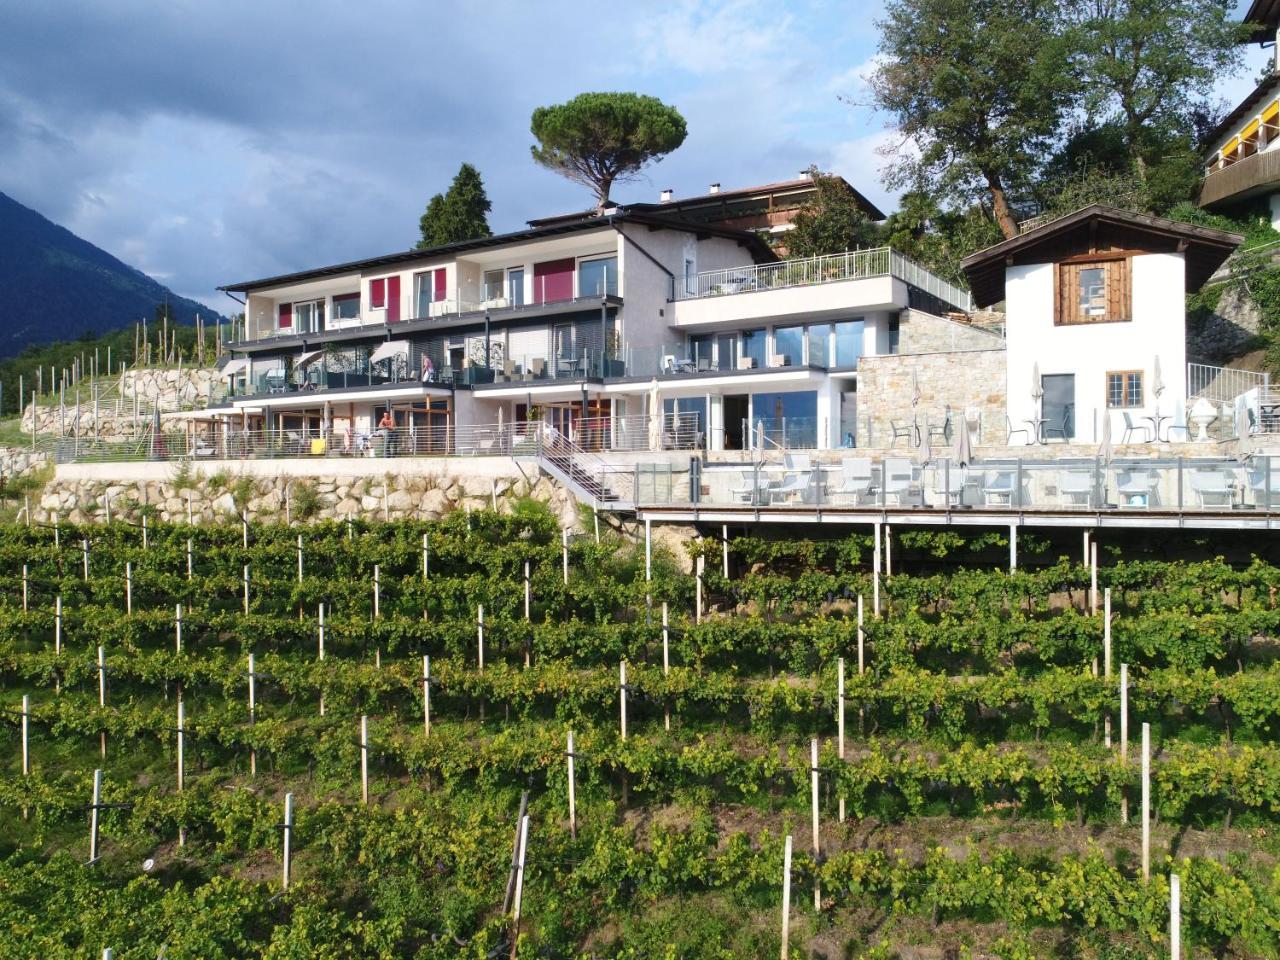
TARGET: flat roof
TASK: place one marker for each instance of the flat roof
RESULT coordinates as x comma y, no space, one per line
1205,247
759,249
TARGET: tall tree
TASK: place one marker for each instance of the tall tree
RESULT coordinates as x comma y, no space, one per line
831,221
1148,65
460,213
979,88
599,139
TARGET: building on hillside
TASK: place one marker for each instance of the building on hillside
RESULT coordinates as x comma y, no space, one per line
592,324
769,209
1242,159
1095,321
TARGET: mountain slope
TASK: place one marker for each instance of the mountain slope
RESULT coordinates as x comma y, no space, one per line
56,286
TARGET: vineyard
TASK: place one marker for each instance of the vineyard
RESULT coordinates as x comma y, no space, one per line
477,737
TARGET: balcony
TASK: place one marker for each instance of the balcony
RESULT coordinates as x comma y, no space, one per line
857,279
1252,175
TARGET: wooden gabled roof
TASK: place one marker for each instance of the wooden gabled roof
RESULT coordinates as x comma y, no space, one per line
1096,228
1264,17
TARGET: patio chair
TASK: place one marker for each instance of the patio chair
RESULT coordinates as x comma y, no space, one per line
1011,432
795,462
1184,427
1265,483
941,433
1060,430
1076,484
1213,486
1138,487
899,478
796,485
856,478
752,487
1130,428
999,486
538,367
949,483
901,431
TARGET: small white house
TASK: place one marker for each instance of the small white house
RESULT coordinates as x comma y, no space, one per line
1096,321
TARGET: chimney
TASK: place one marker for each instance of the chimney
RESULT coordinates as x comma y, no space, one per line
715,188
667,195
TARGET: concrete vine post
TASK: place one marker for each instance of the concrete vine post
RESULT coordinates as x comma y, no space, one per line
622,696
1124,737
426,696
666,664
1146,802
786,897
840,724
128,587
817,854
1106,659
102,699
287,827
573,803
253,714
94,809
320,641
1175,917
57,624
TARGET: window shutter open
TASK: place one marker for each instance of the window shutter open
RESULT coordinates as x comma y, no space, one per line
438,292
378,294
286,316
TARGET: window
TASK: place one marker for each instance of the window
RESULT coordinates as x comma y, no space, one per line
430,288
494,284
309,317
788,346
819,336
848,343
286,316
598,278
1093,292
753,346
346,306
378,294
515,286
895,334
690,278
1124,388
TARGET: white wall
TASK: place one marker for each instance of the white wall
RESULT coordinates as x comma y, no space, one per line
1091,350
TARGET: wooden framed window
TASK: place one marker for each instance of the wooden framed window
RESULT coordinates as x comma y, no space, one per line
1093,291
1124,389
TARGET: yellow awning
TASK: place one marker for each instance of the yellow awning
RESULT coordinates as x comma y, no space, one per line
1250,130
1270,114
1230,146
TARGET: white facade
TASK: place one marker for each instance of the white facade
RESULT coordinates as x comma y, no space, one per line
1089,351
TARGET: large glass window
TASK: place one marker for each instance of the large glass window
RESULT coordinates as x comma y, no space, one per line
515,286
308,317
848,343
684,422
596,278
788,346
789,419
346,306
727,352
819,335
494,284
753,347
700,351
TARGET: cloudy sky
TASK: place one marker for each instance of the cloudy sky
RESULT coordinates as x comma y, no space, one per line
207,143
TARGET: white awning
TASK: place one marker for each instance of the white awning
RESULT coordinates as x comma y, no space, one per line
233,367
390,349
308,357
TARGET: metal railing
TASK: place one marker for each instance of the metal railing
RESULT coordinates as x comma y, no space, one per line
1223,383
1218,485
832,268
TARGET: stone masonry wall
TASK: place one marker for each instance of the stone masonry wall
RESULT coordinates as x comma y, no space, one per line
920,332
960,380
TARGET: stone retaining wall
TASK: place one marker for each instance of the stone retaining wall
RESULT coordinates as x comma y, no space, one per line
169,389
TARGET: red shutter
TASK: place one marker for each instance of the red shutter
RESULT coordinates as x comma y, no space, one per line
553,281
438,288
378,294
286,316
393,299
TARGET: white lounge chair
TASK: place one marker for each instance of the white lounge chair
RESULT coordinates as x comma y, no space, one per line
899,478
949,482
1075,485
1213,486
1266,489
752,487
856,478
1138,487
795,485
999,486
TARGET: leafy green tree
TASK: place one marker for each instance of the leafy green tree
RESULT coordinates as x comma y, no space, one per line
831,221
937,238
599,139
979,87
1147,66
461,213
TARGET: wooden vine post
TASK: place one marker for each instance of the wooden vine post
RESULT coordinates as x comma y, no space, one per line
786,897
1124,737
817,849
573,804
840,725
519,893
1146,802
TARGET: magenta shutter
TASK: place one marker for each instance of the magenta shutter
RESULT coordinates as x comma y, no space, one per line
553,281
393,299
286,315
438,289
378,294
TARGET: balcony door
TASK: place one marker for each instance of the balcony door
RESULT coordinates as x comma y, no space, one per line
1058,403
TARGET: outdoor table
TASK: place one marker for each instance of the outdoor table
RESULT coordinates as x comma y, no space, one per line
1155,420
1037,427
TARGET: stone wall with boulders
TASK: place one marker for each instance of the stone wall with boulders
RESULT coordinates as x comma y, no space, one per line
17,462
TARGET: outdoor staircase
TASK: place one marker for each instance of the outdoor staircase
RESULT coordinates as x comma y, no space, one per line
592,480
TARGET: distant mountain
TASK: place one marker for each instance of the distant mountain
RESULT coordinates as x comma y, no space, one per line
55,286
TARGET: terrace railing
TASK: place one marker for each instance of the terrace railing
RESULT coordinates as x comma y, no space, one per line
832,268
1223,384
